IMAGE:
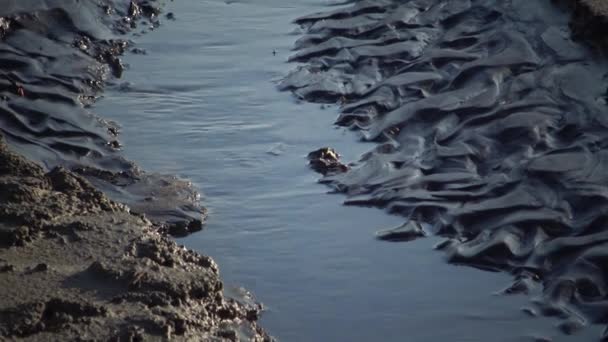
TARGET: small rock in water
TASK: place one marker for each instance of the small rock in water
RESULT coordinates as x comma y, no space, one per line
326,161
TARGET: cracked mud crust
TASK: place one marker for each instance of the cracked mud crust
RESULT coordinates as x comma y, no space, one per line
75,265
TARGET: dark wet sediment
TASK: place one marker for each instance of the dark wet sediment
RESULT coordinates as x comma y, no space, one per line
75,264
56,57
598,7
589,21
491,130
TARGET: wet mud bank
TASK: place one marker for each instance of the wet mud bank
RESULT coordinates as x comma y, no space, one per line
490,124
56,58
76,265
84,246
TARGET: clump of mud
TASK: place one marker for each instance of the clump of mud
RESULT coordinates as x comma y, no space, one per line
75,265
589,21
326,161
56,57
491,130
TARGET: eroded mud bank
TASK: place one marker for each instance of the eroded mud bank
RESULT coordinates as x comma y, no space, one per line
75,265
490,119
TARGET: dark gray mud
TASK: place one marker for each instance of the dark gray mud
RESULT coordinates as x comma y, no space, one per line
56,57
490,119
589,20
76,264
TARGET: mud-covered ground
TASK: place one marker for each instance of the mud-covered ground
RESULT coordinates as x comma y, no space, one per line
56,57
487,115
490,119
74,265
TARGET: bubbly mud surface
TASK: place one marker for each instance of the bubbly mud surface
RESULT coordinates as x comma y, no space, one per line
491,128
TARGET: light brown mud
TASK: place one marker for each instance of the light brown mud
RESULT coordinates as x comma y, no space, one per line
75,265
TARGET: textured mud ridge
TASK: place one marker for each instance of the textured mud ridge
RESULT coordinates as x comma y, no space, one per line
55,57
75,265
492,130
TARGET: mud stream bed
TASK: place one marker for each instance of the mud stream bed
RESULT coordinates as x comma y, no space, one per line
203,103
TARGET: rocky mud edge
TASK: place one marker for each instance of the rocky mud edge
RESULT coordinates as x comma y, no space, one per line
75,265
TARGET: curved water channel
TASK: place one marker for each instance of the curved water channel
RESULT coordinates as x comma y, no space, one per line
203,104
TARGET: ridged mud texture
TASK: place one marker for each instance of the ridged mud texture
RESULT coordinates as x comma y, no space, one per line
55,57
75,265
492,130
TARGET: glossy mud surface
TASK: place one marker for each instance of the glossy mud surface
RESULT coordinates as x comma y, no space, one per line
203,104
56,56
491,122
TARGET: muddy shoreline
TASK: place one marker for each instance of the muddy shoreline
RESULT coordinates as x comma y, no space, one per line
57,59
488,123
78,264
75,264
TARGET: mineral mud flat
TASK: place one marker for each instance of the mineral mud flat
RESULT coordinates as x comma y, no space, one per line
490,119
75,265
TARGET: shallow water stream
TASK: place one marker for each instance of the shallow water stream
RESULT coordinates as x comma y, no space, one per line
203,104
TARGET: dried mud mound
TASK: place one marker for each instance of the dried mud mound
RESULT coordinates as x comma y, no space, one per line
75,265
55,57
492,130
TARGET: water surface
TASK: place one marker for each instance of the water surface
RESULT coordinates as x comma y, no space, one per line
203,104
